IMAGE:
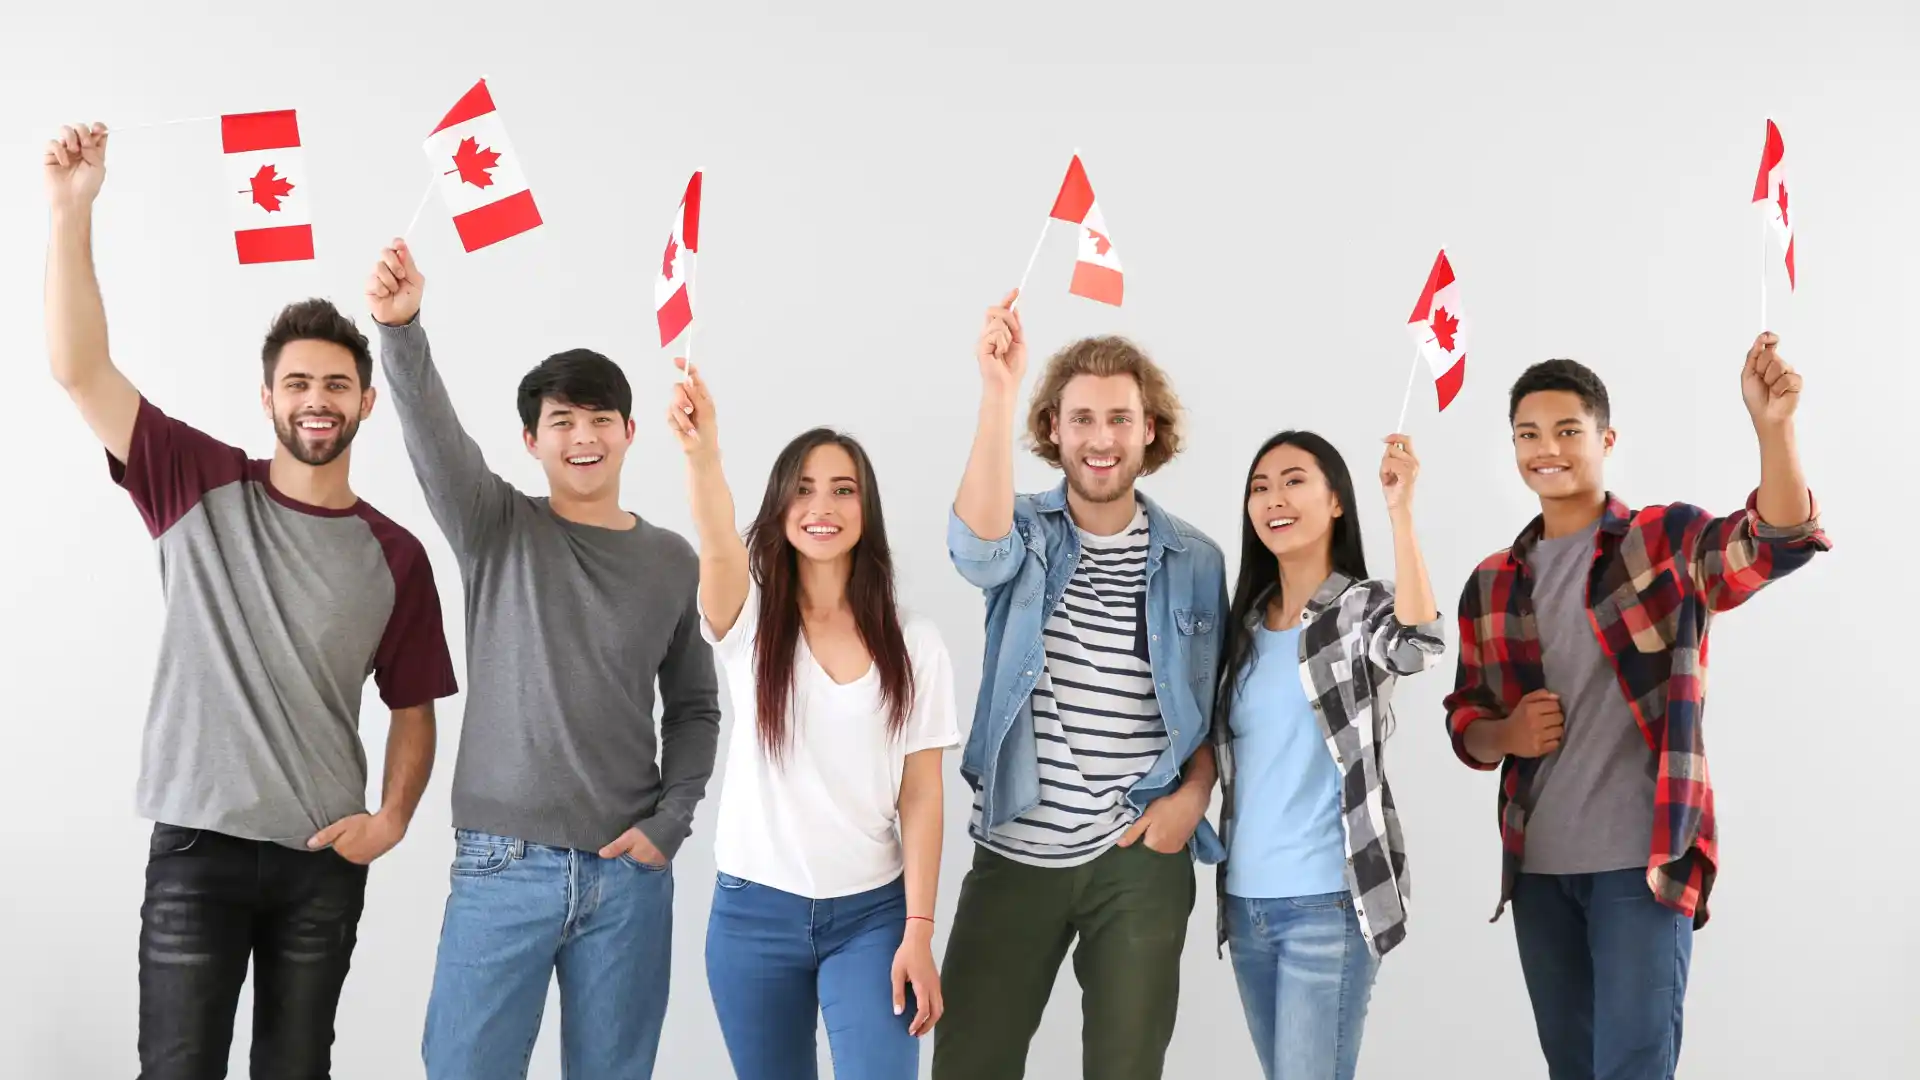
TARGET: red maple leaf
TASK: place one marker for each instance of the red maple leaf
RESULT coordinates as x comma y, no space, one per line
1101,245
473,163
666,264
1445,326
267,189
1783,206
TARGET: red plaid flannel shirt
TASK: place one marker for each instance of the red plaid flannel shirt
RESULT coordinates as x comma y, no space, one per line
1659,574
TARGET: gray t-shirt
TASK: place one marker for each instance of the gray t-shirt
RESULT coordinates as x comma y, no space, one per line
276,614
1593,799
568,628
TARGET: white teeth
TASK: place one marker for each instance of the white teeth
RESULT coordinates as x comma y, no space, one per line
582,460
317,425
1279,522
822,530
1103,462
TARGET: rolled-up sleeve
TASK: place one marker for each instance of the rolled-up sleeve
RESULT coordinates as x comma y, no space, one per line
986,564
1396,646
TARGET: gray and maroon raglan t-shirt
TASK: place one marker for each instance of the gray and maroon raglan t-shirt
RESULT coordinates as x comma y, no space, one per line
276,614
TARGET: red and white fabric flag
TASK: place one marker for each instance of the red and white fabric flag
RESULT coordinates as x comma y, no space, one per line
480,175
672,302
1770,187
267,182
1440,331
1097,274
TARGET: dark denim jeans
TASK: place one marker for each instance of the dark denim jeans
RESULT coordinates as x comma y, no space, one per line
1606,966
216,902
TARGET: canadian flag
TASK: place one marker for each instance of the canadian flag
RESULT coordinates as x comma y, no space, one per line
480,175
1439,330
672,303
1770,187
1096,275
267,183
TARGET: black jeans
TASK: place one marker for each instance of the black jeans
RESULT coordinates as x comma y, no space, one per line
213,903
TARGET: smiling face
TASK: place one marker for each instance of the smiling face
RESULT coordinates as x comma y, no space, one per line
824,518
1103,433
315,400
581,450
1559,446
1290,503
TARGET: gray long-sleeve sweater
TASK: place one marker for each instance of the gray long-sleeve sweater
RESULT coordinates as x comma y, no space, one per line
568,627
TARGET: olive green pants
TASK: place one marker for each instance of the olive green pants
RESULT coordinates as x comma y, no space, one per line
1129,910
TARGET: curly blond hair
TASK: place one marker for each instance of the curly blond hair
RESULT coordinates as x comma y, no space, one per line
1108,355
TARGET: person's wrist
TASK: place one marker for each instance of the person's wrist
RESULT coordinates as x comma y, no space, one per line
919,927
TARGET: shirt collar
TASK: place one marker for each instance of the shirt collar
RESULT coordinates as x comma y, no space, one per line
1160,529
1613,522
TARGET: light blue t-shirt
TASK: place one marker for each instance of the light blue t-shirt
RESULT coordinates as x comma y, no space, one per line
1286,832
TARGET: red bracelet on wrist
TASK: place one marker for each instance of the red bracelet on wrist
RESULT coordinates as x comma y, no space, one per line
922,918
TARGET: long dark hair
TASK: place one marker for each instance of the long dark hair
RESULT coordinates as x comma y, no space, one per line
775,567
1259,567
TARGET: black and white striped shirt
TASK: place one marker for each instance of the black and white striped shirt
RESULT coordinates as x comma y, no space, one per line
1096,720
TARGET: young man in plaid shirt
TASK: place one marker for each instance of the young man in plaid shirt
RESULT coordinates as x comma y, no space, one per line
1583,662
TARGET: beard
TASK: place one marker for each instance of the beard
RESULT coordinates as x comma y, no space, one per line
1111,488
291,437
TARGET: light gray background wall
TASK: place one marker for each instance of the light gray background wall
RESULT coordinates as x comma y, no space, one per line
1277,182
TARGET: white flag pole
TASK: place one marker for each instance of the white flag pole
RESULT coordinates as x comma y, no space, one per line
1406,400
1028,272
160,123
1763,273
420,208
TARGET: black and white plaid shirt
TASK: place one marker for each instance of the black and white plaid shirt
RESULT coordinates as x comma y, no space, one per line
1351,649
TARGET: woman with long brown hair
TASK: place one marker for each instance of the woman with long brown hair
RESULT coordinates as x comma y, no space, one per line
828,842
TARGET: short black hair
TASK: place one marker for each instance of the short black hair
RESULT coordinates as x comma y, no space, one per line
1561,374
581,378
315,320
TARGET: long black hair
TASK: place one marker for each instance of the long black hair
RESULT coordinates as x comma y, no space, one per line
1259,568
775,565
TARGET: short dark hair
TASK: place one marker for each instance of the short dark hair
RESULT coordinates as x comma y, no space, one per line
581,378
1562,374
315,320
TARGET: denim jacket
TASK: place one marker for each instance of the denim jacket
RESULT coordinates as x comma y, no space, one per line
1024,575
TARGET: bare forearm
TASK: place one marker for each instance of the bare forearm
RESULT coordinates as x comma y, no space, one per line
723,557
1784,500
985,502
1413,601
410,744
920,832
1201,771
76,328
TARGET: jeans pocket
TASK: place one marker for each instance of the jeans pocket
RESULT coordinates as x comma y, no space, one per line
627,857
728,881
171,840
478,857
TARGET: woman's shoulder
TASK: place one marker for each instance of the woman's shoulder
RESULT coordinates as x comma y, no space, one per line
920,633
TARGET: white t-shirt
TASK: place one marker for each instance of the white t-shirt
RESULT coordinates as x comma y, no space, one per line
823,822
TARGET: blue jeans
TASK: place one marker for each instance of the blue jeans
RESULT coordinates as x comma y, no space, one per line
516,913
1305,977
1606,967
777,962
